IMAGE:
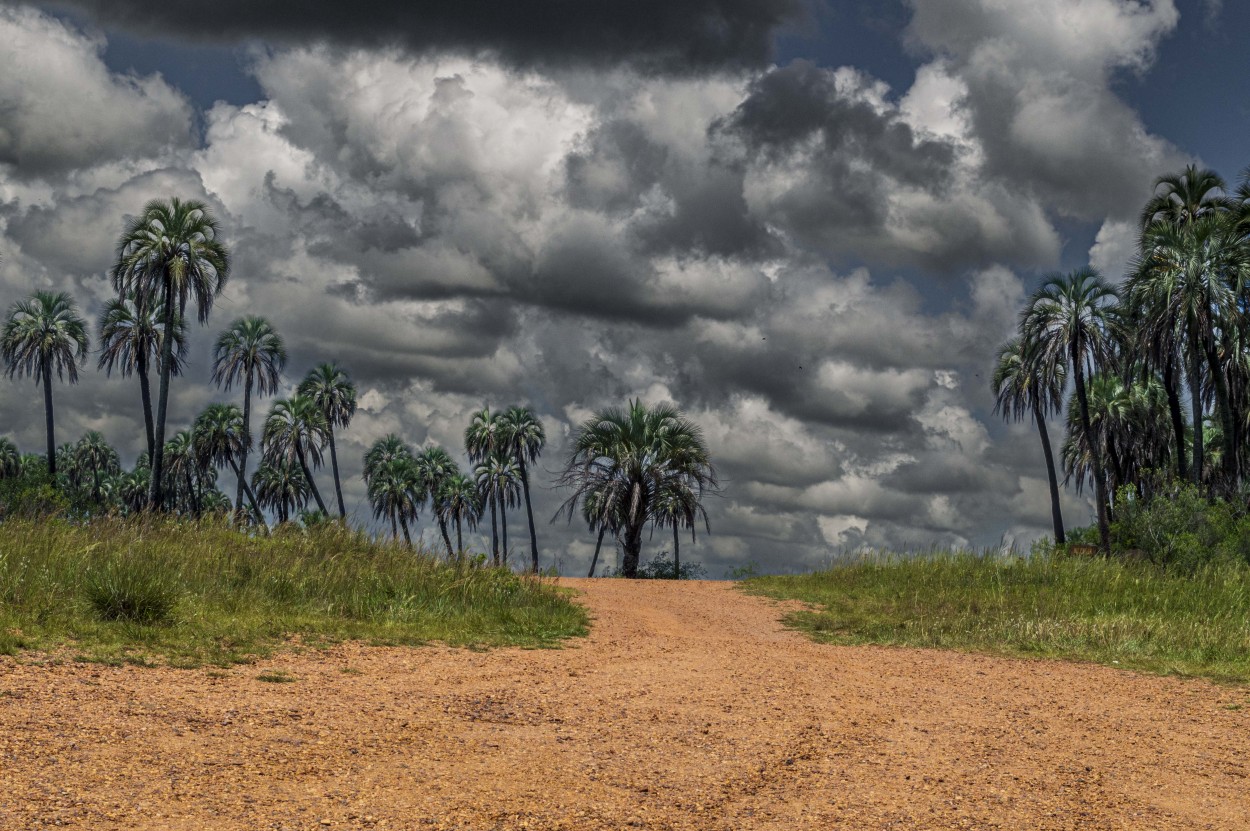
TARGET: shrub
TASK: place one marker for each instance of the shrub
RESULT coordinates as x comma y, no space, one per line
125,589
661,568
1180,528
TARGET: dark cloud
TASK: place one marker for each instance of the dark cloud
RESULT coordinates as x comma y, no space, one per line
664,35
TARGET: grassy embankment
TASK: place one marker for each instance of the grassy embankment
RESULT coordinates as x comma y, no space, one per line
1135,615
191,593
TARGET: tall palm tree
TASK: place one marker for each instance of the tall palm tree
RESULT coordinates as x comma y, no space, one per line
394,489
295,432
1066,321
43,333
483,438
218,439
96,459
251,353
131,330
1191,279
172,252
10,459
626,458
332,390
435,468
499,485
281,488
1023,386
524,437
460,504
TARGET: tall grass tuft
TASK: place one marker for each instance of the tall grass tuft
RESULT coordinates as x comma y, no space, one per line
1133,614
195,592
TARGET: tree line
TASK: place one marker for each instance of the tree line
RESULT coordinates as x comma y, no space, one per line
630,468
1159,365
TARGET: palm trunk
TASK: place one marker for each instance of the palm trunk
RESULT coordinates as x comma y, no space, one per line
459,537
251,497
145,395
503,529
247,437
633,550
1178,419
1195,403
525,485
1056,515
494,532
48,419
1224,407
334,464
394,527
442,527
403,523
162,400
312,485
599,544
1100,480
195,502
676,554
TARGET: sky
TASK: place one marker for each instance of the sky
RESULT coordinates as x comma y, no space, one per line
809,225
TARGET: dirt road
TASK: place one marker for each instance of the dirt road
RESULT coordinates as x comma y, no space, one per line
688,707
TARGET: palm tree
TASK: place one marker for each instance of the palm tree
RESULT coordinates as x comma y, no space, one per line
460,504
498,482
131,330
43,333
524,437
251,353
182,469
96,458
1066,323
333,392
394,489
10,459
599,513
1022,386
295,432
218,439
481,439
677,506
1190,279
435,468
626,459
133,488
172,253
281,488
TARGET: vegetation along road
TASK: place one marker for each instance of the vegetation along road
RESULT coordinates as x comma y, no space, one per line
689,706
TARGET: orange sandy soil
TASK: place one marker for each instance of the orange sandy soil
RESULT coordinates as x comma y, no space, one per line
688,707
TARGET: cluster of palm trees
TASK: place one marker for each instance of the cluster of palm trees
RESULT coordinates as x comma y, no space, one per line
1176,332
628,468
501,445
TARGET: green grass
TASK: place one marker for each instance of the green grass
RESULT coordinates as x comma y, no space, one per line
186,593
1133,615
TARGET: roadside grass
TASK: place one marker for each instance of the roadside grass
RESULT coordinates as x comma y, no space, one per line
188,593
1133,615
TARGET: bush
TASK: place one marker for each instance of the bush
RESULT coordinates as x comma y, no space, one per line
1180,528
661,568
132,591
